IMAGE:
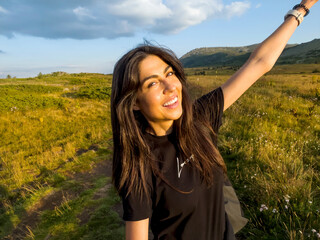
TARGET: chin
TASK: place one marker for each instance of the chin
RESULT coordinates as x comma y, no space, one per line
177,116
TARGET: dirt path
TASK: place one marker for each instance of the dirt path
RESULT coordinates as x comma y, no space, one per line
54,199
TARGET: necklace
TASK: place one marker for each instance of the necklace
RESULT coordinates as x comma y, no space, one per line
180,165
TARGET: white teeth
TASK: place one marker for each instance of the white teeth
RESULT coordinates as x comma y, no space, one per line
171,102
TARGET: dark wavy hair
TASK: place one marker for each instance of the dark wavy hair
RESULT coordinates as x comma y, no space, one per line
132,158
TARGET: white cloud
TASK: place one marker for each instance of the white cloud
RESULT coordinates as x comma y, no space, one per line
236,8
258,5
191,12
3,10
141,11
82,12
88,19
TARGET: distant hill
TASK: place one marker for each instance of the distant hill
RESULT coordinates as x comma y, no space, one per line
236,56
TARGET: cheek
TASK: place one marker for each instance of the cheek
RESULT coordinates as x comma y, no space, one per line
179,87
178,84
149,101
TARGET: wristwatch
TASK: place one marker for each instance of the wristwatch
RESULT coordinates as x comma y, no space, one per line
298,15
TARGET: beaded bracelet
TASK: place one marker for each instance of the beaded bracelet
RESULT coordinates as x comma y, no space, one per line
302,6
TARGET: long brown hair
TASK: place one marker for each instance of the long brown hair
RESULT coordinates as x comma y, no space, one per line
132,158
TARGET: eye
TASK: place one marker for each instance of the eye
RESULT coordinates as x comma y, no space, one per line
171,73
151,84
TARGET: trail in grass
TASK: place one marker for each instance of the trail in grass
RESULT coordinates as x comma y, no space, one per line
33,219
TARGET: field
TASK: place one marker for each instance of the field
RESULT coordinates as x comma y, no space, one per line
56,149
54,158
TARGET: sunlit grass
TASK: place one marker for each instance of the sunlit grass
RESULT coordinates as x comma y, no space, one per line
41,144
270,140
64,221
49,138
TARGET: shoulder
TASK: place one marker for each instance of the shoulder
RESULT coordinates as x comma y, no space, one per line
209,108
215,98
138,205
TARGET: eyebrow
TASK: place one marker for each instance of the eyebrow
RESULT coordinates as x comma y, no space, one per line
155,75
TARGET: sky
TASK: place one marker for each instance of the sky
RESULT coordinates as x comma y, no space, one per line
91,35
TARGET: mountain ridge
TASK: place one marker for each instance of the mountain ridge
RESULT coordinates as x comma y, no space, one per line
308,52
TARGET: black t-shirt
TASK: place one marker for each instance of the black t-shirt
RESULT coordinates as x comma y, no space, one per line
195,211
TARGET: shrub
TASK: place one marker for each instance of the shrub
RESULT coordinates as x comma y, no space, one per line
27,97
94,92
40,75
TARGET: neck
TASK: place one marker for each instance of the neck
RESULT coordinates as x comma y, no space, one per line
157,130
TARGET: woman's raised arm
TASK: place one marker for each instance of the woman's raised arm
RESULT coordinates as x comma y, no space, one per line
137,230
262,59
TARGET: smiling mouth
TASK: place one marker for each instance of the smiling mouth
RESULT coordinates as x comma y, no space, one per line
173,101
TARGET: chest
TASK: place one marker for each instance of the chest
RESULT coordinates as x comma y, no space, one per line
179,190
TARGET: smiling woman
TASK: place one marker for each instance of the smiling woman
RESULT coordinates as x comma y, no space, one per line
159,97
166,165
165,147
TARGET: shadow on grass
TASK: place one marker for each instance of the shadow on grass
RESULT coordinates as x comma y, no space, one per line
8,214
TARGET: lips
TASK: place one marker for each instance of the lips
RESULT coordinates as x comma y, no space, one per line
172,102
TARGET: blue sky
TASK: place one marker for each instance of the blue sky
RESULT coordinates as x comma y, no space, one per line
91,35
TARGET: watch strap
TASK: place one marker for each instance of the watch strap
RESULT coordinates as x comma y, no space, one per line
298,15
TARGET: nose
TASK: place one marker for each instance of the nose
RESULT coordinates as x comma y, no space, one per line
169,86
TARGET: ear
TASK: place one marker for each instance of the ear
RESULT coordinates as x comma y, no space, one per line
136,106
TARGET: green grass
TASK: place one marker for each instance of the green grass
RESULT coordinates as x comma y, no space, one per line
63,222
60,130
42,126
52,128
270,141
92,92
277,69
28,97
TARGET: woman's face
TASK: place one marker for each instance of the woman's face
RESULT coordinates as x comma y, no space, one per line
159,96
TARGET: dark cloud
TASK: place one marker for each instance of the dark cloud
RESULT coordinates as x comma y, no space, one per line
89,19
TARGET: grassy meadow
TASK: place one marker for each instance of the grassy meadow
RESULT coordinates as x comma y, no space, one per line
55,139
55,154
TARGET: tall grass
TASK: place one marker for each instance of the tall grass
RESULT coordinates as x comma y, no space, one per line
48,137
50,127
270,140
56,125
